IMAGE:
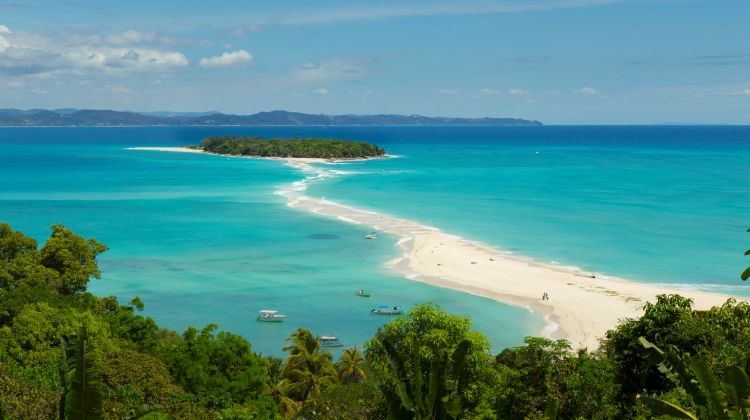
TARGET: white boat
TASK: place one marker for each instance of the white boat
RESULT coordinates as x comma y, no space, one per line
371,235
329,341
268,315
386,310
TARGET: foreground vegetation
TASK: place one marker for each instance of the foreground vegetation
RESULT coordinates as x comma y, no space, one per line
65,353
298,147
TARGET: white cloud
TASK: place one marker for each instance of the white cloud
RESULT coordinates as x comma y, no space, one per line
518,91
447,92
379,10
247,29
239,58
4,30
588,90
745,92
34,54
327,71
489,92
132,37
321,91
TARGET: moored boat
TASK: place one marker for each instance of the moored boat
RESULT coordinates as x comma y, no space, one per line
386,310
329,341
268,315
362,293
371,235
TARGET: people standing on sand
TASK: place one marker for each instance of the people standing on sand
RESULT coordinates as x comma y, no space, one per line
545,296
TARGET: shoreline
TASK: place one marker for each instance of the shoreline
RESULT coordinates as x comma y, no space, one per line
582,306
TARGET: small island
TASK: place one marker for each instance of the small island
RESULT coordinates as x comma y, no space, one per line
317,148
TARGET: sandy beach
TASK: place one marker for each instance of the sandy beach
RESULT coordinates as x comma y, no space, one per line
581,307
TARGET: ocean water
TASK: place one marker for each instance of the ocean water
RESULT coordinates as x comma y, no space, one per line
204,239
660,204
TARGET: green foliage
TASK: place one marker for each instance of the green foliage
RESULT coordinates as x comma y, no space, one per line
73,257
137,304
308,368
23,398
141,331
720,336
427,364
421,339
720,399
545,376
282,393
350,367
440,399
342,402
219,368
42,298
133,381
301,148
81,398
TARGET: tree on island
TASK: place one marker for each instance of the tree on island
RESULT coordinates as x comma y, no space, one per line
290,147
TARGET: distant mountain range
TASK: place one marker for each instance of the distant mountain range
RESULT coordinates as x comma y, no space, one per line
68,117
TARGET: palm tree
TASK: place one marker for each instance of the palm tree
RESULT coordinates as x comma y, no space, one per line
81,398
307,369
350,367
302,342
274,365
281,393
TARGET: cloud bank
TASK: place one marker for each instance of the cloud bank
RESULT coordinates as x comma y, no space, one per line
36,54
239,58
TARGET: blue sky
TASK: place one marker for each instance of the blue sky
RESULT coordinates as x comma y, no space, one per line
558,61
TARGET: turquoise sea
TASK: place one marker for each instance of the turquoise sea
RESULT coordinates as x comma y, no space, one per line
204,239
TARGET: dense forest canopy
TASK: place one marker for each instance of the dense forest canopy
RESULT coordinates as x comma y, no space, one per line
291,147
65,353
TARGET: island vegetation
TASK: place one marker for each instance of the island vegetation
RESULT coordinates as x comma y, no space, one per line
67,354
290,147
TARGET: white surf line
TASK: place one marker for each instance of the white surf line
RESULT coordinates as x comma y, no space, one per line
583,305
294,193
581,308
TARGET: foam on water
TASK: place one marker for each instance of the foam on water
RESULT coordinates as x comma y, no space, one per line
206,239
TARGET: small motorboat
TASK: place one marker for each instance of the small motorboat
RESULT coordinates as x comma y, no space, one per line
329,341
372,235
362,293
386,310
268,315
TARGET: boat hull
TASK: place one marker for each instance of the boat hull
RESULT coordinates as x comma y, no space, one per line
261,319
385,312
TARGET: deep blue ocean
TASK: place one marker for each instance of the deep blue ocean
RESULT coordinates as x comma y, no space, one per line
204,239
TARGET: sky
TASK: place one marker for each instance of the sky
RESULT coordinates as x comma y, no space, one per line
556,61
